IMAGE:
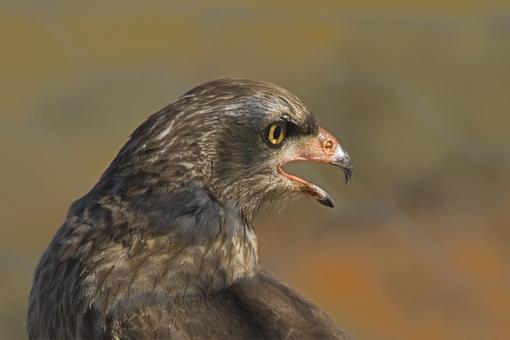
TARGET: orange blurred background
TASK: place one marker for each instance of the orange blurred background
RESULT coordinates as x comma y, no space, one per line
418,246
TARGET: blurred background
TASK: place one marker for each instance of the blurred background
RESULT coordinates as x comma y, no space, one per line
418,246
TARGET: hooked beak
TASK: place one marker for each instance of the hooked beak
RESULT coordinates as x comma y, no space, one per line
323,148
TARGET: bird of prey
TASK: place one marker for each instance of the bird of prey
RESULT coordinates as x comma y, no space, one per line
164,246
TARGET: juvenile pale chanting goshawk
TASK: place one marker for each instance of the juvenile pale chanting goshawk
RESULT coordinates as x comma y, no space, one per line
163,246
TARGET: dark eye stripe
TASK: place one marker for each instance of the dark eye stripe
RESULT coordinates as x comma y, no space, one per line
309,127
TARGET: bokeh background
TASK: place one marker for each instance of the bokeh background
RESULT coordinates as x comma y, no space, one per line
418,246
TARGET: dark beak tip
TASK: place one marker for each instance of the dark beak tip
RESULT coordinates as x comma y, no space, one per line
327,200
345,163
348,175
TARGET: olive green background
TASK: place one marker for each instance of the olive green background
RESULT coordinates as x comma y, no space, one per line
418,246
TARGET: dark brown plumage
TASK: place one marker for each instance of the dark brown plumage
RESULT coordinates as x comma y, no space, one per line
163,246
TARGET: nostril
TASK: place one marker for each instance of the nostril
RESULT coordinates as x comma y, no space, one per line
328,145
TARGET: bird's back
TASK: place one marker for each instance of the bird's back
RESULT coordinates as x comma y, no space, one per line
256,308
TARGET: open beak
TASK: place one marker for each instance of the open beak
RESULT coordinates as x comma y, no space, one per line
322,148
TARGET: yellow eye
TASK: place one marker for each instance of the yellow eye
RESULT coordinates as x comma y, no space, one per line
276,133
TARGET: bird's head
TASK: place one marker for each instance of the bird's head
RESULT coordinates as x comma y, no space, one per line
234,137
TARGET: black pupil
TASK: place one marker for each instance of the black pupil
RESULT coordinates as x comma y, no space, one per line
276,133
